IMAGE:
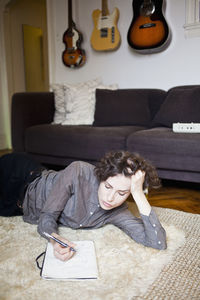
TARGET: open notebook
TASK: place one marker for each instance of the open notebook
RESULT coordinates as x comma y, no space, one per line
82,265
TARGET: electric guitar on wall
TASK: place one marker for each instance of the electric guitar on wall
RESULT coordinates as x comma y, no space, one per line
148,29
73,55
105,35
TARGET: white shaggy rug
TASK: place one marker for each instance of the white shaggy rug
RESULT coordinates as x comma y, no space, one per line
127,270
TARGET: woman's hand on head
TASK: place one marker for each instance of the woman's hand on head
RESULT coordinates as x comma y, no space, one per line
137,181
60,252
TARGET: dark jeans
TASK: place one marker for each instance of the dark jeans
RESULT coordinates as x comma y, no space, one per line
17,170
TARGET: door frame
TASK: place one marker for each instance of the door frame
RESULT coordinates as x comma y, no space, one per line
4,92
4,80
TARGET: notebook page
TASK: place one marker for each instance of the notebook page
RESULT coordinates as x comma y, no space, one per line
82,265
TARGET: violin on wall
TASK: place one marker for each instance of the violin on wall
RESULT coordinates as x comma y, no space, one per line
73,56
148,29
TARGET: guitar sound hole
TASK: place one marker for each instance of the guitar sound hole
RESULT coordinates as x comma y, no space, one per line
147,25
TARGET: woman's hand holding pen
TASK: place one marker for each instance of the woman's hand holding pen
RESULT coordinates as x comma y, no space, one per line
60,252
137,192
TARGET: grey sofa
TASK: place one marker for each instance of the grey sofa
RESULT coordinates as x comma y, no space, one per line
137,120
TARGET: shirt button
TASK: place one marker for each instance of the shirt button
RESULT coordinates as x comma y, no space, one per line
81,225
91,213
154,225
159,242
98,205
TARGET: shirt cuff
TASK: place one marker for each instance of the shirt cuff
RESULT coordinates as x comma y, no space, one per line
154,230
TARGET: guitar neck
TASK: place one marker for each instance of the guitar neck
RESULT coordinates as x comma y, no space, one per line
70,21
105,10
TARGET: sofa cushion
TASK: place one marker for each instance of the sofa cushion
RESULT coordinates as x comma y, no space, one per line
78,142
166,149
180,105
61,96
59,100
122,107
80,106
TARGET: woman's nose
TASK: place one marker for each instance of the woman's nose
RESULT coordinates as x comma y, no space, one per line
111,196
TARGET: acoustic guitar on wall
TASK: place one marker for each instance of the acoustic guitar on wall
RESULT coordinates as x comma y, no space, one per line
148,29
105,35
73,55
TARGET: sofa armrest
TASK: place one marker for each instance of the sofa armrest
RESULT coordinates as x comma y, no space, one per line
29,109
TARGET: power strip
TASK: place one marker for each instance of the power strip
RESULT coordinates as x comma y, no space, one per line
186,127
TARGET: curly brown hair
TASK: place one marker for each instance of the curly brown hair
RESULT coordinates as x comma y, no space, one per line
127,163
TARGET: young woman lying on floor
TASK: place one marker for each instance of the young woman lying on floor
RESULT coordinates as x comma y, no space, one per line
82,196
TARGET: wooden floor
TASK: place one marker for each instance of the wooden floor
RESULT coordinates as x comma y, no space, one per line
176,195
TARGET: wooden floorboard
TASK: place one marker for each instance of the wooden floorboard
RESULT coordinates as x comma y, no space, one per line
176,195
182,196
5,151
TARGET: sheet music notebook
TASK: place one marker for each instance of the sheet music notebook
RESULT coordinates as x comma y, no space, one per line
82,265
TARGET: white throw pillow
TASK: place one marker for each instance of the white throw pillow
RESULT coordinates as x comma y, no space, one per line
61,96
80,106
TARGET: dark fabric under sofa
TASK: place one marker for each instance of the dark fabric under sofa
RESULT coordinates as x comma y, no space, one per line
137,120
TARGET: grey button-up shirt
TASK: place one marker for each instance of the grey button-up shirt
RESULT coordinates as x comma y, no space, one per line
70,197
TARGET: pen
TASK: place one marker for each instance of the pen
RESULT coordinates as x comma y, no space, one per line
58,241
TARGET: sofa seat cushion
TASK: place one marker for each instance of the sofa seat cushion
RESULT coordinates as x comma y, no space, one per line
78,142
166,149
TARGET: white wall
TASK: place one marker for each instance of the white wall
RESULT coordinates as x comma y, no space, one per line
179,64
